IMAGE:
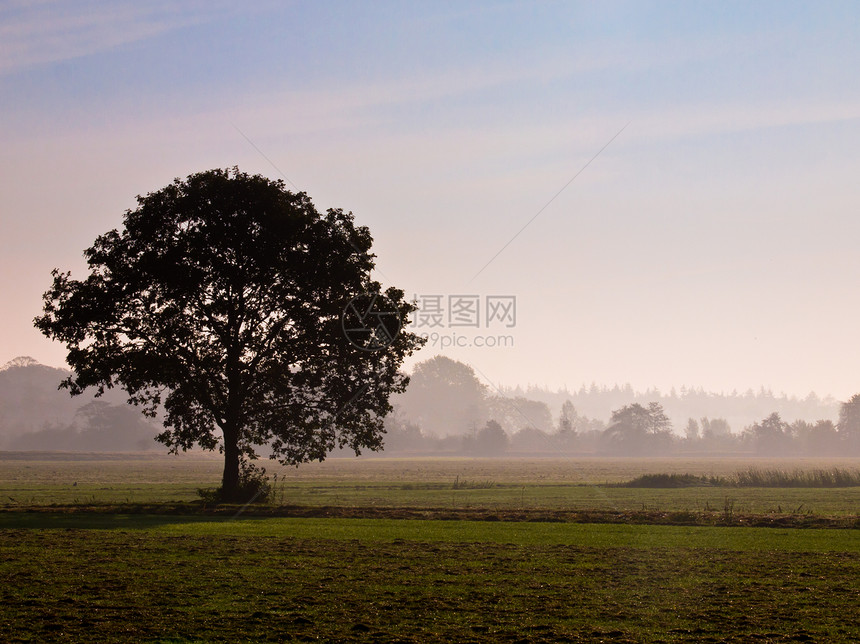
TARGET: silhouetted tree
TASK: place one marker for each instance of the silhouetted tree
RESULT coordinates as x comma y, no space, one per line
691,431
98,426
402,435
659,421
820,438
634,429
222,299
491,439
715,427
567,419
717,436
771,436
444,397
29,400
531,439
849,423
514,412
565,437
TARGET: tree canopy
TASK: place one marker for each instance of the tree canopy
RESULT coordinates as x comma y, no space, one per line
635,428
849,421
444,396
222,299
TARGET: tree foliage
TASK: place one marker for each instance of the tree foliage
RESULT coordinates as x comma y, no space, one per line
444,397
770,436
491,439
636,429
638,419
849,420
221,300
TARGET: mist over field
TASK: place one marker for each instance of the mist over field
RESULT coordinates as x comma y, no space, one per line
447,410
414,322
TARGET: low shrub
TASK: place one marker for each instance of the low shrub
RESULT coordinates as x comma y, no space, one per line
254,487
672,481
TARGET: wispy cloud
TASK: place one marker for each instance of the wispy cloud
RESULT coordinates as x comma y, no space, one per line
729,118
34,32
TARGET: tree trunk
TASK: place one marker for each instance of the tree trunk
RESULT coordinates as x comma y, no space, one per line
232,426
230,480
231,429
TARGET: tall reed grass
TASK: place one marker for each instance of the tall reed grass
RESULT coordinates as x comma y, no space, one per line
753,477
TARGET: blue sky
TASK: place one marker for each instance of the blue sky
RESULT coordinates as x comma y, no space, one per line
713,243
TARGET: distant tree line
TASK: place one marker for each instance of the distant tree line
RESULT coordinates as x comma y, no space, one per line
35,415
739,409
95,427
446,409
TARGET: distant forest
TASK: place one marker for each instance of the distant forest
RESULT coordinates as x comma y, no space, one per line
447,410
737,409
35,415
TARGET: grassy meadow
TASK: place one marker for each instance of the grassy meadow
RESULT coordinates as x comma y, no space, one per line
115,548
454,483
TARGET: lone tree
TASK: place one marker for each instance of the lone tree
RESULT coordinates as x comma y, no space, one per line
849,423
635,429
223,300
492,440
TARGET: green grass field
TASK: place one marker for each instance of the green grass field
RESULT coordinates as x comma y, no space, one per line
561,484
76,573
